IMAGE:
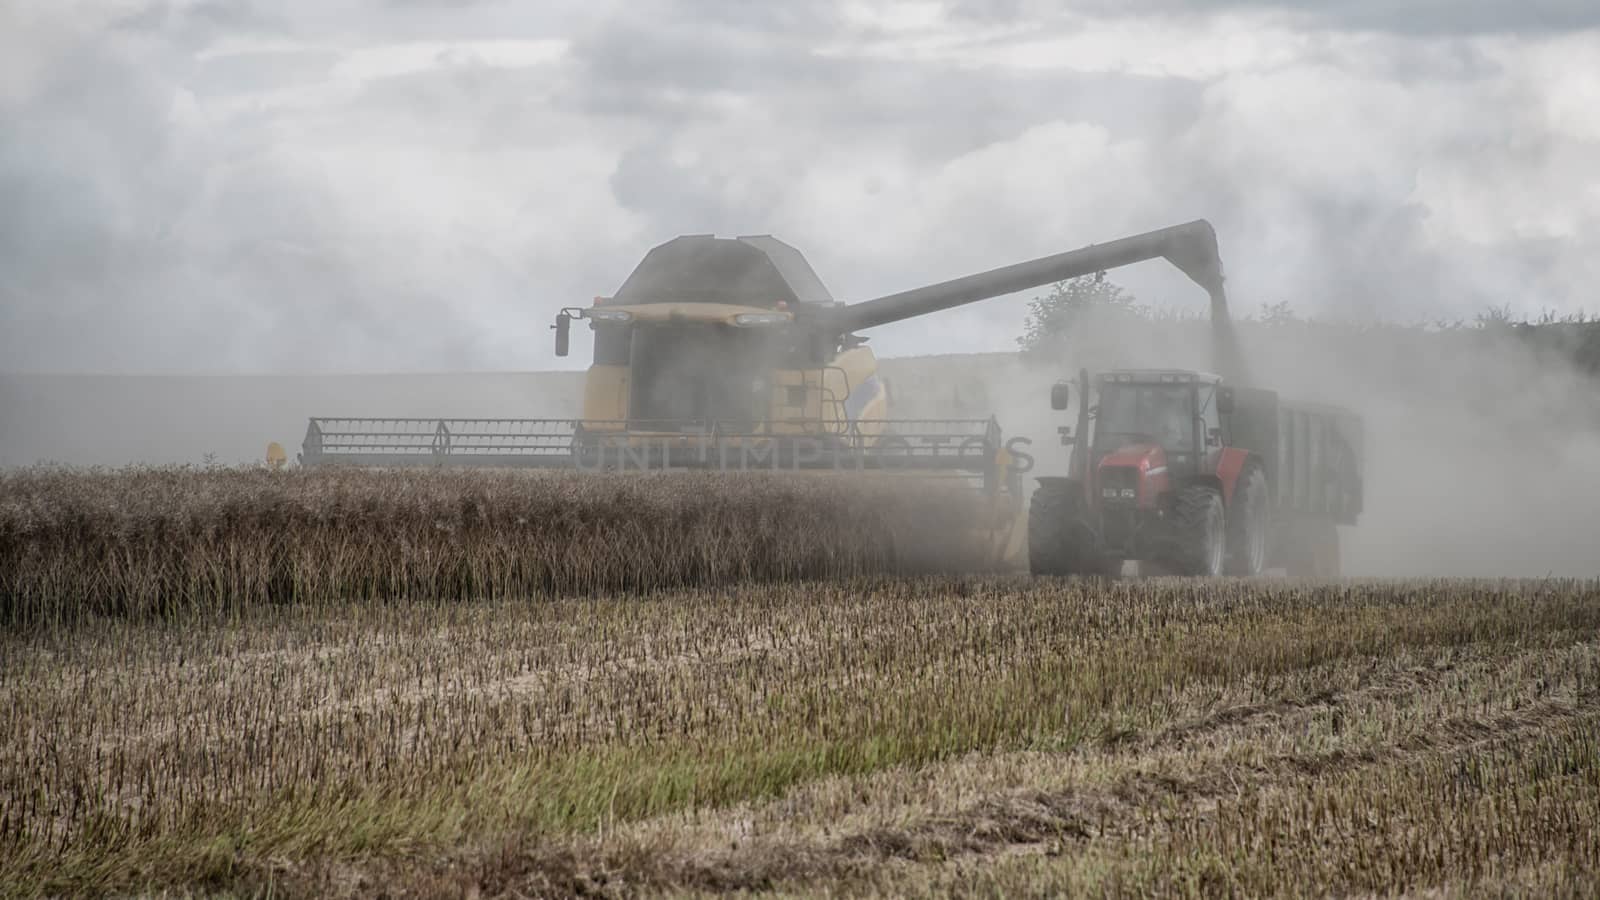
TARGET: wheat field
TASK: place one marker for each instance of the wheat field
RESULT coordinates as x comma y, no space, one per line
180,542
778,730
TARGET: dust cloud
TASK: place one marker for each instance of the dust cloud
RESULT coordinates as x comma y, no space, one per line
1482,453
118,420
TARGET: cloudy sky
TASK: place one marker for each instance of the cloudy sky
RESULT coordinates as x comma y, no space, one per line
304,185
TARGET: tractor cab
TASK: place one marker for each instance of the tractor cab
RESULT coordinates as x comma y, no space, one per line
1168,418
1163,419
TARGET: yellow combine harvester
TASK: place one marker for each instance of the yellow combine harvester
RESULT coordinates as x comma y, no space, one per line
729,353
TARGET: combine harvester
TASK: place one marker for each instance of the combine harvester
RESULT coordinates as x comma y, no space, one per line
731,354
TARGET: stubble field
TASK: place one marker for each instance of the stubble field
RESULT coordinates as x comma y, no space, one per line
844,731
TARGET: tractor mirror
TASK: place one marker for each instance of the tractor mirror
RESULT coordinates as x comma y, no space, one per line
1225,401
1060,396
563,329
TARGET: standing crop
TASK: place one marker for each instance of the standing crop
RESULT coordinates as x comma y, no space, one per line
172,541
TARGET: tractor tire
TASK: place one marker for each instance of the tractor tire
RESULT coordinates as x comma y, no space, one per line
1060,538
1202,532
1248,524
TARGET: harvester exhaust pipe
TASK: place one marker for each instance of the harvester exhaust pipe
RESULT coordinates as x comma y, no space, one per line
1191,247
1078,462
563,330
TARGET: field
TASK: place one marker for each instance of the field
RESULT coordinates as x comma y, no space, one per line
825,730
181,542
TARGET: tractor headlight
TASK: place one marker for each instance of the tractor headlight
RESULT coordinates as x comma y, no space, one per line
1129,493
610,315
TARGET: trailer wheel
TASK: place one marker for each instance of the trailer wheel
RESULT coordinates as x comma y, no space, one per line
1247,524
1060,539
1202,530
1314,550
1329,559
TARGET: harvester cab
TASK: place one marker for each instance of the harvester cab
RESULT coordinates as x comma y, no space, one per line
715,337
1187,475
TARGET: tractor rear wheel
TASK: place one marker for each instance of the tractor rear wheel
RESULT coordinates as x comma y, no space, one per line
1202,531
1060,538
1247,524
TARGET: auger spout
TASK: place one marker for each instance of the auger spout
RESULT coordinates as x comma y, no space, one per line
1191,247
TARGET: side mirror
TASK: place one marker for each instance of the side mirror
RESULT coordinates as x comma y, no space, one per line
1225,401
563,329
1060,396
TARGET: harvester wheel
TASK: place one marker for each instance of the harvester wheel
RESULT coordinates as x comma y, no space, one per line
1247,524
1060,539
1202,530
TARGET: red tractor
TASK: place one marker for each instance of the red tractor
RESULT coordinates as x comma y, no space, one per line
1189,476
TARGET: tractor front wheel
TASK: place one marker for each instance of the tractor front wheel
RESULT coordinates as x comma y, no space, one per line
1202,532
1060,539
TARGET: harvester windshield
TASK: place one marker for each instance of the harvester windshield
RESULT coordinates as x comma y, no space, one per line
686,374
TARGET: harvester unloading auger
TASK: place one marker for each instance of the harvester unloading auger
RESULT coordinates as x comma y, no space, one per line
730,353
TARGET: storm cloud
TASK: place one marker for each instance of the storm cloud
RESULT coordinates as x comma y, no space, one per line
226,186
